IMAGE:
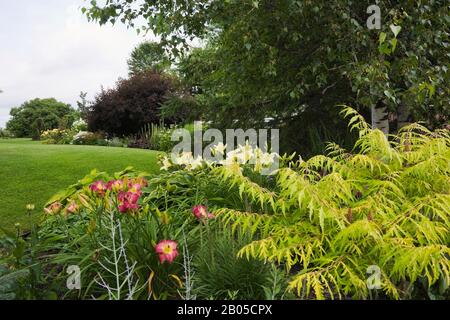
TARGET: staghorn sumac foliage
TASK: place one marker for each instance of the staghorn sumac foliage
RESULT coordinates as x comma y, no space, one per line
134,102
384,204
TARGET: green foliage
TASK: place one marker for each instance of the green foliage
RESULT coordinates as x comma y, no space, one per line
97,237
111,246
79,125
148,56
76,137
161,138
38,115
181,107
116,250
21,269
9,282
385,203
83,106
4,133
220,274
117,142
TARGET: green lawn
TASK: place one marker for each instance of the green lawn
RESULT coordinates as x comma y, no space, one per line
31,172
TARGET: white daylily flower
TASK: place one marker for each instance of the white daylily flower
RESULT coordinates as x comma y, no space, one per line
267,159
185,159
219,148
196,163
235,156
246,152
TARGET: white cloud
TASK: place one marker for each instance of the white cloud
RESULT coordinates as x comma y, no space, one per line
53,51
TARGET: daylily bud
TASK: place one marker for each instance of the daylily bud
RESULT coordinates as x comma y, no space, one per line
201,213
54,208
84,200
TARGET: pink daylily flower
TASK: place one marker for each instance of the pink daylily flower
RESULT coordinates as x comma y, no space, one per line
167,250
141,181
99,187
128,201
135,188
201,213
115,185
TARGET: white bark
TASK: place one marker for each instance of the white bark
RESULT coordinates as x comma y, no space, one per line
380,118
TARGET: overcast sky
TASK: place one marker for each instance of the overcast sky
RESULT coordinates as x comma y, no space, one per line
49,49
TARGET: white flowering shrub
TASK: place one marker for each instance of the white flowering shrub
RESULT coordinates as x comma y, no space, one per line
79,125
88,138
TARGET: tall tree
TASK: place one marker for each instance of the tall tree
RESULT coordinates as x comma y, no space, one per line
83,106
148,56
289,60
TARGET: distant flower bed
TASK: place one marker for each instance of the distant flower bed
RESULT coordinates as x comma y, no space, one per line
151,137
88,138
57,136
154,137
78,135
73,135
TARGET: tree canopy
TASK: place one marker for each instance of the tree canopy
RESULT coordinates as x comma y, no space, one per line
38,115
148,56
293,61
133,103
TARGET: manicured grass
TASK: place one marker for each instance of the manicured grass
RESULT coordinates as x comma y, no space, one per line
31,172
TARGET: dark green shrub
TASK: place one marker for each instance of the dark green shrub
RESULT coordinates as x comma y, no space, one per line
38,115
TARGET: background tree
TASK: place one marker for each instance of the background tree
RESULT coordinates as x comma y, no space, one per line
37,115
83,105
133,103
148,56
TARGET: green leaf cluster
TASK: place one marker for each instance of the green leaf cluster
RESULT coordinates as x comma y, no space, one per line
327,220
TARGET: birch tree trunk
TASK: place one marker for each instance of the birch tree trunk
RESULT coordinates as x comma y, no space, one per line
380,118
403,116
